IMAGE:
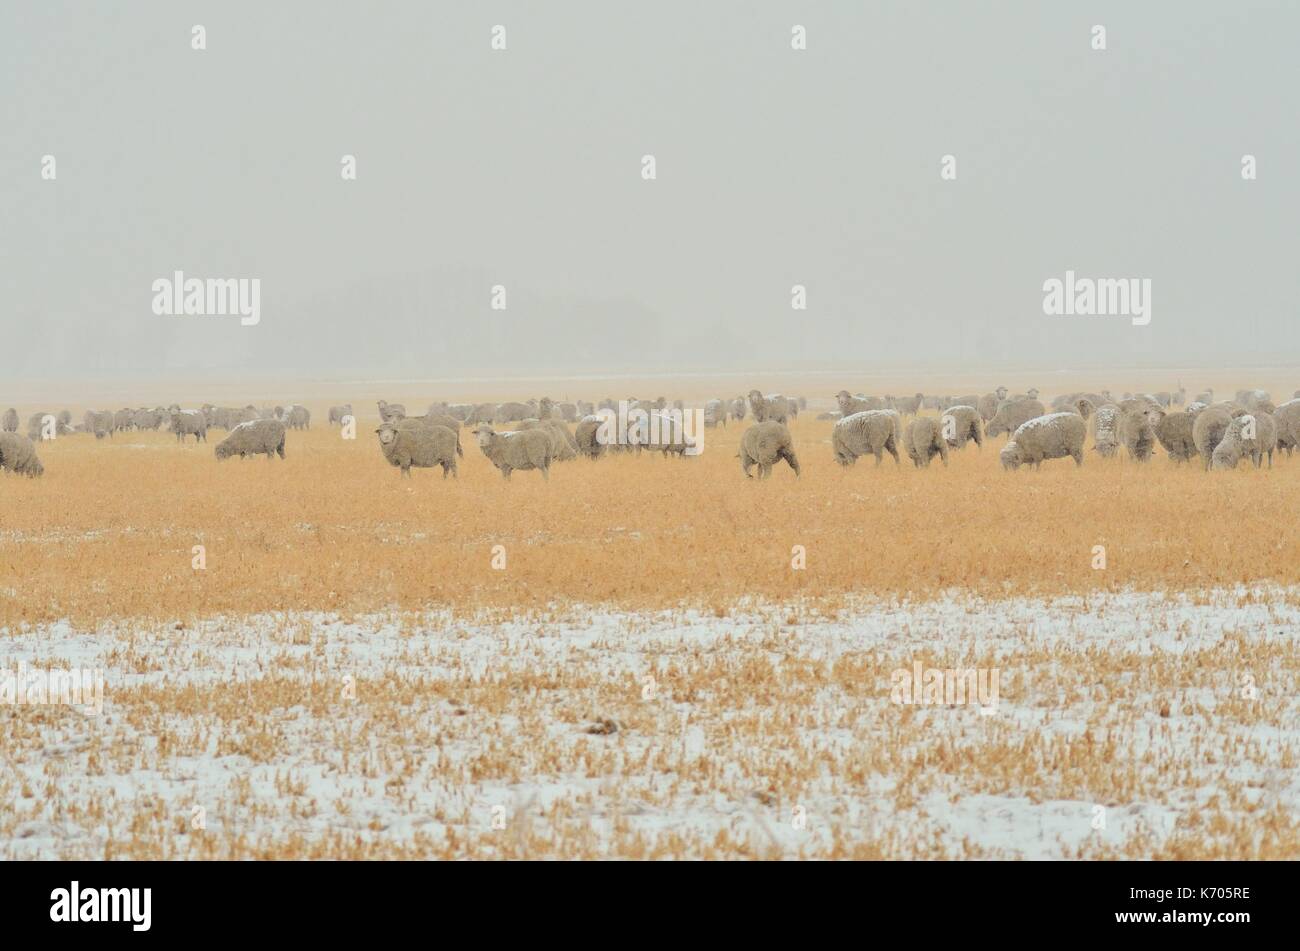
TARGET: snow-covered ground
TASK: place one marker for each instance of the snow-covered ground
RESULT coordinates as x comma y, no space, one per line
1124,725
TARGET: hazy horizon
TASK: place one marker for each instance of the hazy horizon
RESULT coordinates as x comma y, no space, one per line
522,167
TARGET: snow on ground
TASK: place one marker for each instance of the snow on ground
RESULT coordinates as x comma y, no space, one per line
1138,725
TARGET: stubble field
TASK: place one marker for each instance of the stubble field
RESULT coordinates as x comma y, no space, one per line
349,675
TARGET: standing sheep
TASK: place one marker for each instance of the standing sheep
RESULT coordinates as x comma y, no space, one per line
738,408
11,420
585,436
1207,432
1105,431
526,449
1011,414
297,417
1136,427
391,412
248,439
764,444
1287,419
962,423
768,408
1053,436
925,441
715,411
189,422
18,455
1250,435
1175,434
338,412
872,431
850,404
420,446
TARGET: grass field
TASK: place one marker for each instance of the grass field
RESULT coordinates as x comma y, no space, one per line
349,675
109,531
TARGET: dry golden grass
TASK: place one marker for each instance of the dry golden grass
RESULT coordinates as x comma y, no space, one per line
108,531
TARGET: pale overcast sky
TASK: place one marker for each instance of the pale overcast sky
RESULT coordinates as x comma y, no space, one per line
523,168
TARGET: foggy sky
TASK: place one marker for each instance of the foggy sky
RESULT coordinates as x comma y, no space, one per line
522,168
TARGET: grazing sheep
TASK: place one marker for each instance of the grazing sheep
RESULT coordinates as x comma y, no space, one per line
1207,431
1010,456
1105,431
18,455
1253,435
391,412
585,436
764,444
512,413
338,412
925,441
11,420
189,422
850,404
772,407
297,417
1175,433
871,431
1011,414
962,423
1287,419
526,449
1053,436
248,439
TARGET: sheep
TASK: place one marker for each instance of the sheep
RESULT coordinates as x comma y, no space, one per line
526,449
792,405
144,419
1208,430
1105,435
1011,414
988,406
1180,395
512,413
99,423
738,408
962,423
772,407
764,444
1194,408
925,440
1052,436
871,431
715,412
1287,419
481,413
11,420
391,412
563,444
406,444
850,404
907,405
1010,456
338,412
189,422
248,439
18,455
585,436
831,415
37,430
1136,428
1253,435
297,417
1175,433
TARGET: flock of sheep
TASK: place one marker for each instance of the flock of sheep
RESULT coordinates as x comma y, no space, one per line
1221,433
